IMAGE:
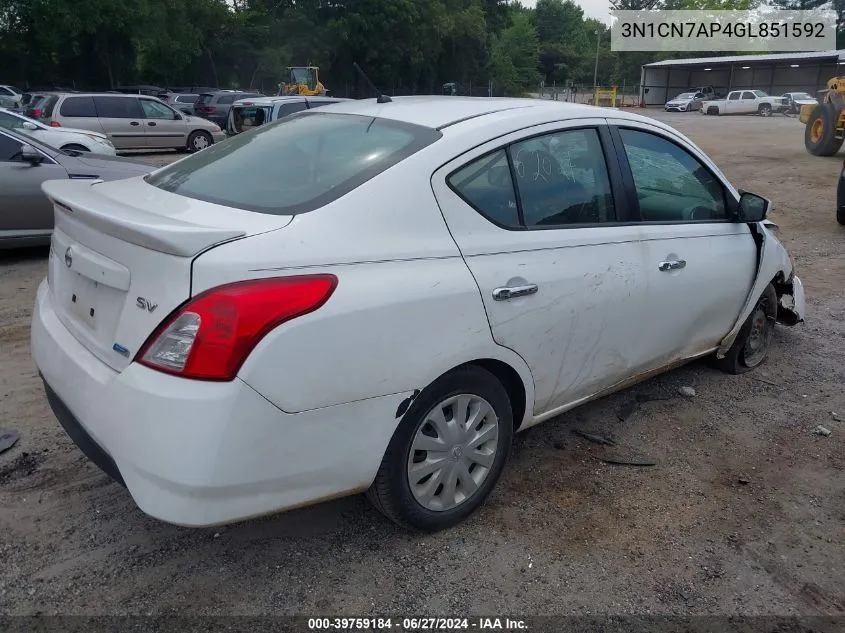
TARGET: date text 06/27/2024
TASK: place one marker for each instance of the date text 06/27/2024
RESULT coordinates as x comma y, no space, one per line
416,624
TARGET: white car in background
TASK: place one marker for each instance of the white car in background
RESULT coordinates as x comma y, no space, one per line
685,102
377,296
63,138
794,101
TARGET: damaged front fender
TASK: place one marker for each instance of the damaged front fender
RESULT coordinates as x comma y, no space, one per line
774,266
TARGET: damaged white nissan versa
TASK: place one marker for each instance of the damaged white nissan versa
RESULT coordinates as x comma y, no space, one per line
376,296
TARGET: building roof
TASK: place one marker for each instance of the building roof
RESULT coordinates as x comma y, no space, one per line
817,56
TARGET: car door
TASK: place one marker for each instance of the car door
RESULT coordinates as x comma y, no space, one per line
748,102
700,263
122,120
164,126
733,104
540,221
23,206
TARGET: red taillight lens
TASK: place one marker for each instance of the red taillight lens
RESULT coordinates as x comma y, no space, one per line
210,336
55,124
36,113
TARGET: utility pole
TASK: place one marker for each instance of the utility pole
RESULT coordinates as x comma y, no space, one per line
596,71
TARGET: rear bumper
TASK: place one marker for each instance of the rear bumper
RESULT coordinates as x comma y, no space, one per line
198,453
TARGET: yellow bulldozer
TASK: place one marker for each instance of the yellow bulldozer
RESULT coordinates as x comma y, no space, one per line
303,80
825,122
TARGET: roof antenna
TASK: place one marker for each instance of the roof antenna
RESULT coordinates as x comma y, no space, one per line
381,98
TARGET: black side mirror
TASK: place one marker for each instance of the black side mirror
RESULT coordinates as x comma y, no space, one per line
753,208
177,116
30,155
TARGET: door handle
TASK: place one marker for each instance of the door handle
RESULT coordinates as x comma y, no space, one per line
134,123
151,123
672,264
503,294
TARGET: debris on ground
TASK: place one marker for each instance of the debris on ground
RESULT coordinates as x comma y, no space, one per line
8,438
595,439
834,415
624,461
686,392
744,480
820,430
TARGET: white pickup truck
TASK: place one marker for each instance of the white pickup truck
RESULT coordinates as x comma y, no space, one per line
745,102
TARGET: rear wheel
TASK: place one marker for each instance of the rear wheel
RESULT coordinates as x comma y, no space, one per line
447,453
820,132
198,140
752,344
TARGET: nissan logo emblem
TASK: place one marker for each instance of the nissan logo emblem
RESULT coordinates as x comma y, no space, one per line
68,257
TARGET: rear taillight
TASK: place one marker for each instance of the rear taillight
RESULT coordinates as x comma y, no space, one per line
36,113
55,124
211,336
205,109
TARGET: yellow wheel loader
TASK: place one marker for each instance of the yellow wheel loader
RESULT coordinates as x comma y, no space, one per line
303,80
825,122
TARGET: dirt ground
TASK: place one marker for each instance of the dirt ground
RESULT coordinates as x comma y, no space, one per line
743,514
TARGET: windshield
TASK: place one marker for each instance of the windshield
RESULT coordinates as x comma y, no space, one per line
760,93
685,95
298,164
801,95
303,76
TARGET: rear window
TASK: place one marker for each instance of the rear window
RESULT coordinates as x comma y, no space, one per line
204,99
295,165
46,105
186,98
247,117
78,106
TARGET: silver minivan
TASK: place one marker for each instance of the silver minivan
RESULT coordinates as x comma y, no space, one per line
246,114
131,121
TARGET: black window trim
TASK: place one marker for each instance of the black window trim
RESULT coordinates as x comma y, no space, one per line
621,208
63,101
731,205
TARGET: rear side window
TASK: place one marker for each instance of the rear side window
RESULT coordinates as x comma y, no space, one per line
118,108
486,184
289,108
296,165
78,106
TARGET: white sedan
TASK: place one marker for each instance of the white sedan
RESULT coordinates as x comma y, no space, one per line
67,139
376,297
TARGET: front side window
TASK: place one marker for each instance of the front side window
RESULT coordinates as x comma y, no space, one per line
747,95
155,110
78,107
298,164
118,108
672,185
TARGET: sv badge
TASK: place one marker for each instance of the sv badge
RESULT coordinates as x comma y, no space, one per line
145,305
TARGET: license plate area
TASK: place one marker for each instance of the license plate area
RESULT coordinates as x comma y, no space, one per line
83,296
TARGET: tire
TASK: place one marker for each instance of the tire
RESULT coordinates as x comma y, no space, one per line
751,347
840,215
765,110
713,110
199,140
74,147
425,504
819,133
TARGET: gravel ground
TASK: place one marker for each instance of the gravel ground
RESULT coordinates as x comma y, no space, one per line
743,513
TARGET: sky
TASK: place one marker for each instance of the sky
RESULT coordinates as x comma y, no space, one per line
599,9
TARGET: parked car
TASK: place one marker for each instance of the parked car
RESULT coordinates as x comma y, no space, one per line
215,106
685,102
250,113
232,347
794,100
150,91
26,214
132,121
184,102
745,102
66,139
190,89
12,94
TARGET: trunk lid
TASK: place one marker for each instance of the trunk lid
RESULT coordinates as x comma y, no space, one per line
121,256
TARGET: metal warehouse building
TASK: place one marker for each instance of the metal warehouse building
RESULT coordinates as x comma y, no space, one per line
775,73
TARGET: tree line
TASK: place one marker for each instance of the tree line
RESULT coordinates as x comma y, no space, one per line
406,46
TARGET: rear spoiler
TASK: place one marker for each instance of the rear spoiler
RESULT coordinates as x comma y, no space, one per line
81,201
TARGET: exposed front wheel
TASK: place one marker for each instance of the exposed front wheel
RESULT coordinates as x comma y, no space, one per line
765,110
752,344
199,140
447,453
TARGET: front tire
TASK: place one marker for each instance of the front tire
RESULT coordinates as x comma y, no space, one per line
751,347
820,131
199,140
447,453
765,110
